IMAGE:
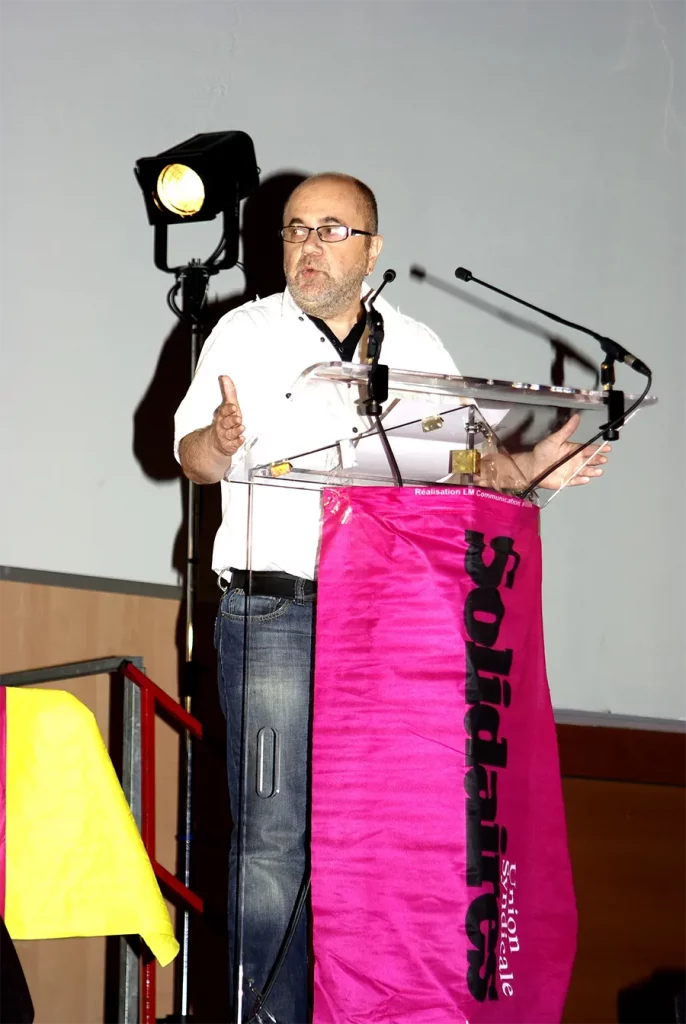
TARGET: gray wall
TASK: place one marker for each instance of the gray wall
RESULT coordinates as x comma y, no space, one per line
541,144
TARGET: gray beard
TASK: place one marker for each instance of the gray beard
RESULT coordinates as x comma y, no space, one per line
336,298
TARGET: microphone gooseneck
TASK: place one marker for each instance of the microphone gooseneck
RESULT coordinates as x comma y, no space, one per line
377,384
611,348
388,277
377,389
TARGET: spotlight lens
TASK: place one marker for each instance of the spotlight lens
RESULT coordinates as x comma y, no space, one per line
181,190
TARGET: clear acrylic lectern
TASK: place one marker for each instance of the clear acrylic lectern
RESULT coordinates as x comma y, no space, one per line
445,430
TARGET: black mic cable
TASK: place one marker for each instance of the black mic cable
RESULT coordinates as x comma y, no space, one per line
617,422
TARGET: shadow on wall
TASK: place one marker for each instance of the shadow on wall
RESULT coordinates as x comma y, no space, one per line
153,433
562,349
153,425
153,440
659,999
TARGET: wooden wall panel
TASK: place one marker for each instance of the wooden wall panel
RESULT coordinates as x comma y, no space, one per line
627,837
623,755
628,849
44,625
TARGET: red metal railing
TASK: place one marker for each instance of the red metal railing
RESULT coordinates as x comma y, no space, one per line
153,696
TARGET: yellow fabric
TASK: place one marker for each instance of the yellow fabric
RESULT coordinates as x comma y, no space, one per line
76,864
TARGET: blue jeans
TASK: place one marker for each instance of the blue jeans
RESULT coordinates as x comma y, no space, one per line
279,634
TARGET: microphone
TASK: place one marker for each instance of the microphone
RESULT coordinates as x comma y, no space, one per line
375,319
377,387
388,277
611,348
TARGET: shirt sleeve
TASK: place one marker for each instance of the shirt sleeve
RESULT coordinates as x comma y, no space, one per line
224,352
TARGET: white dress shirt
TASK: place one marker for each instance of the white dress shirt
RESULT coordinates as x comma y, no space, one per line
264,346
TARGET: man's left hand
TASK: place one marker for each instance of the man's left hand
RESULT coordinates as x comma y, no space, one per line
554,447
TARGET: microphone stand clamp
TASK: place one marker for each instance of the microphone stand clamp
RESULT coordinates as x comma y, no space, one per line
614,399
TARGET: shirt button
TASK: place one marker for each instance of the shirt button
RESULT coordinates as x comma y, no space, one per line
355,430
322,339
301,318
288,394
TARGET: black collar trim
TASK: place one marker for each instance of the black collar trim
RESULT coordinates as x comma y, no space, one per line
346,348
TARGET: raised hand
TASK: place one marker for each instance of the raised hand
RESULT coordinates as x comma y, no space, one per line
227,431
558,444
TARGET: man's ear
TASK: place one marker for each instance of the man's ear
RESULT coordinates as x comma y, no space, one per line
375,247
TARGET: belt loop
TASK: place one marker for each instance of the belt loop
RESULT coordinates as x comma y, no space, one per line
300,590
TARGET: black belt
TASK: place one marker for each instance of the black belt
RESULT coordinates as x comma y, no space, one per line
271,584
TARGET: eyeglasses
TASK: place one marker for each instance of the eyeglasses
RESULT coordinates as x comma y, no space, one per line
327,233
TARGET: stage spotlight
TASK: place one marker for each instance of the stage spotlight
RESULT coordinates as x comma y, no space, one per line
181,190
207,175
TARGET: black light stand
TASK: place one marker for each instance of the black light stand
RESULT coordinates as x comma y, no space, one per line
193,281
223,163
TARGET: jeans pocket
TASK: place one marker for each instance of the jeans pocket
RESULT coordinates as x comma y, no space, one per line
236,605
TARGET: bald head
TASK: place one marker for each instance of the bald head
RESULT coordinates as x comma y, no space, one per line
363,195
325,278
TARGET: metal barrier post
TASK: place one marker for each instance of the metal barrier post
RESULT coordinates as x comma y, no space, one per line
129,966
148,816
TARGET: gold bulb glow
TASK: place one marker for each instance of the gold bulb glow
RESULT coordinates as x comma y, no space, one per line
181,190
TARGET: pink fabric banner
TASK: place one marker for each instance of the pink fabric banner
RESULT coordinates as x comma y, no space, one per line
441,882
